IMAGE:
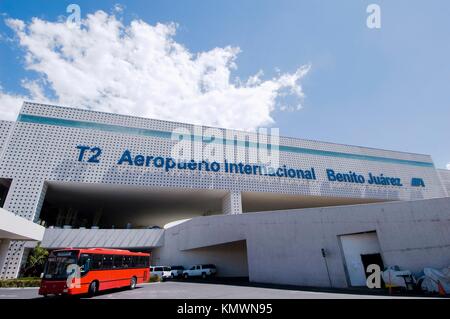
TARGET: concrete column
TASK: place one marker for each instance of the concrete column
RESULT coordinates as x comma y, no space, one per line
232,203
4,246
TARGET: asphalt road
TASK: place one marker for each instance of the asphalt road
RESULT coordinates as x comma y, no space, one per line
191,290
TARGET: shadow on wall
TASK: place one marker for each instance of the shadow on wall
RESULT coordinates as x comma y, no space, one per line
230,258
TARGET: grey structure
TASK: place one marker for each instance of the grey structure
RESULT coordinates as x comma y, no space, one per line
444,174
285,246
53,182
90,238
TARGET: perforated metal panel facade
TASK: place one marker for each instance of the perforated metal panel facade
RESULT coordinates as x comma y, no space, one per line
42,146
444,174
5,129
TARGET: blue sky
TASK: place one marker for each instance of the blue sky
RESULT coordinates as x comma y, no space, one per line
386,88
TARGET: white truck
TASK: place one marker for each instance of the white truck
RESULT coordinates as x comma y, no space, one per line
162,272
176,271
205,270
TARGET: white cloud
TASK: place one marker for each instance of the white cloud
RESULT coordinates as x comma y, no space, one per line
139,69
119,7
10,105
448,166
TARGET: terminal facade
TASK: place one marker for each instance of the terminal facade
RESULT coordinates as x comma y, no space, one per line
248,202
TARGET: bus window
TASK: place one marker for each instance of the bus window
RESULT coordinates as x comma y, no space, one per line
97,261
85,263
126,261
107,261
117,261
57,264
135,261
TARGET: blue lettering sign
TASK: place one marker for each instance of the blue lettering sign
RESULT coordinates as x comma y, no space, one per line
417,182
168,164
95,153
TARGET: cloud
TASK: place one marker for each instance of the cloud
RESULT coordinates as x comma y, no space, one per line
139,69
119,7
448,166
10,105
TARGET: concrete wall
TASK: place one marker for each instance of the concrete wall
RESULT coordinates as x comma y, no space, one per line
444,175
285,246
230,258
19,228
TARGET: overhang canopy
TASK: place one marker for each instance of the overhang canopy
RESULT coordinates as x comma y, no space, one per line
14,227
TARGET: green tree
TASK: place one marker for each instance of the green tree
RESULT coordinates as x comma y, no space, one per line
35,262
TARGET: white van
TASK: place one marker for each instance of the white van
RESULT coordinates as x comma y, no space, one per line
162,272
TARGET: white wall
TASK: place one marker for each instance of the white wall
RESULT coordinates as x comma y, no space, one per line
444,175
412,235
19,228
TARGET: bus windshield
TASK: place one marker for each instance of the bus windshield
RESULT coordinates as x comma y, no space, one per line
57,263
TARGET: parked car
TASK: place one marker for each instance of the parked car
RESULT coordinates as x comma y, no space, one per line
162,272
176,271
203,271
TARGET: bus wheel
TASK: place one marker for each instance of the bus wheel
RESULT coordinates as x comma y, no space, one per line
133,283
93,288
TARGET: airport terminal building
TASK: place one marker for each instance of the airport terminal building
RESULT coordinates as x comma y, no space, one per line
273,209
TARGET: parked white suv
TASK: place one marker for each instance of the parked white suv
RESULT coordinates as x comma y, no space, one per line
162,272
200,271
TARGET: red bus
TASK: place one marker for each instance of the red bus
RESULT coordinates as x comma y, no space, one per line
80,271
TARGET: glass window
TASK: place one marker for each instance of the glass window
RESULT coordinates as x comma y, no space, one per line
57,264
107,261
135,261
97,261
117,261
126,261
84,261
141,261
